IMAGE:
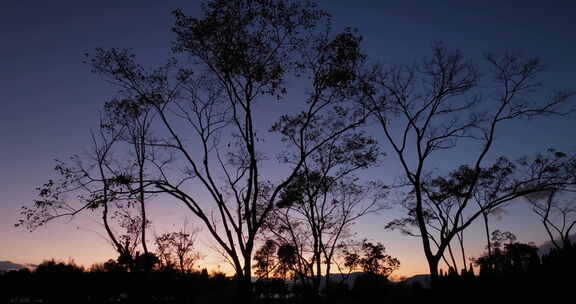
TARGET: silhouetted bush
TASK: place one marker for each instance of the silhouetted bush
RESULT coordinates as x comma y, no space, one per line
524,278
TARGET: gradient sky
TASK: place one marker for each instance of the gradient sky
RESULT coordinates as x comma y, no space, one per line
50,100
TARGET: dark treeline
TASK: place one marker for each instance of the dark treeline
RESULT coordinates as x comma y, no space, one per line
278,198
112,282
518,273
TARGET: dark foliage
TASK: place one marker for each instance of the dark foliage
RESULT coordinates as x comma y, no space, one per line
521,276
518,274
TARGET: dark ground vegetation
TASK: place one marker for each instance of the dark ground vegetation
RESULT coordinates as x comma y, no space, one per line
515,273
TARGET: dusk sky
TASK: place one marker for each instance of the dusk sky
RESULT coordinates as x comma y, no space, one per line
50,99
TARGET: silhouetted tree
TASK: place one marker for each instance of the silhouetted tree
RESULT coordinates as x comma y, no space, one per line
241,53
511,258
178,249
272,267
430,107
61,282
557,215
318,207
315,214
492,261
376,267
265,258
134,122
446,199
372,260
558,266
97,181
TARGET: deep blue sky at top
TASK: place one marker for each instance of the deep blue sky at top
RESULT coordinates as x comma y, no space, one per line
49,100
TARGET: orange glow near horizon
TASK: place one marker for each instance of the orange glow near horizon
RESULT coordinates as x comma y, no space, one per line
64,242
82,241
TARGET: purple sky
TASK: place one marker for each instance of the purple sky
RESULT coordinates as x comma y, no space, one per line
50,100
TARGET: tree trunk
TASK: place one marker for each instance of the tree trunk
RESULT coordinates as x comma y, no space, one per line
142,207
463,253
430,257
433,267
454,265
318,276
460,236
487,230
245,281
327,275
